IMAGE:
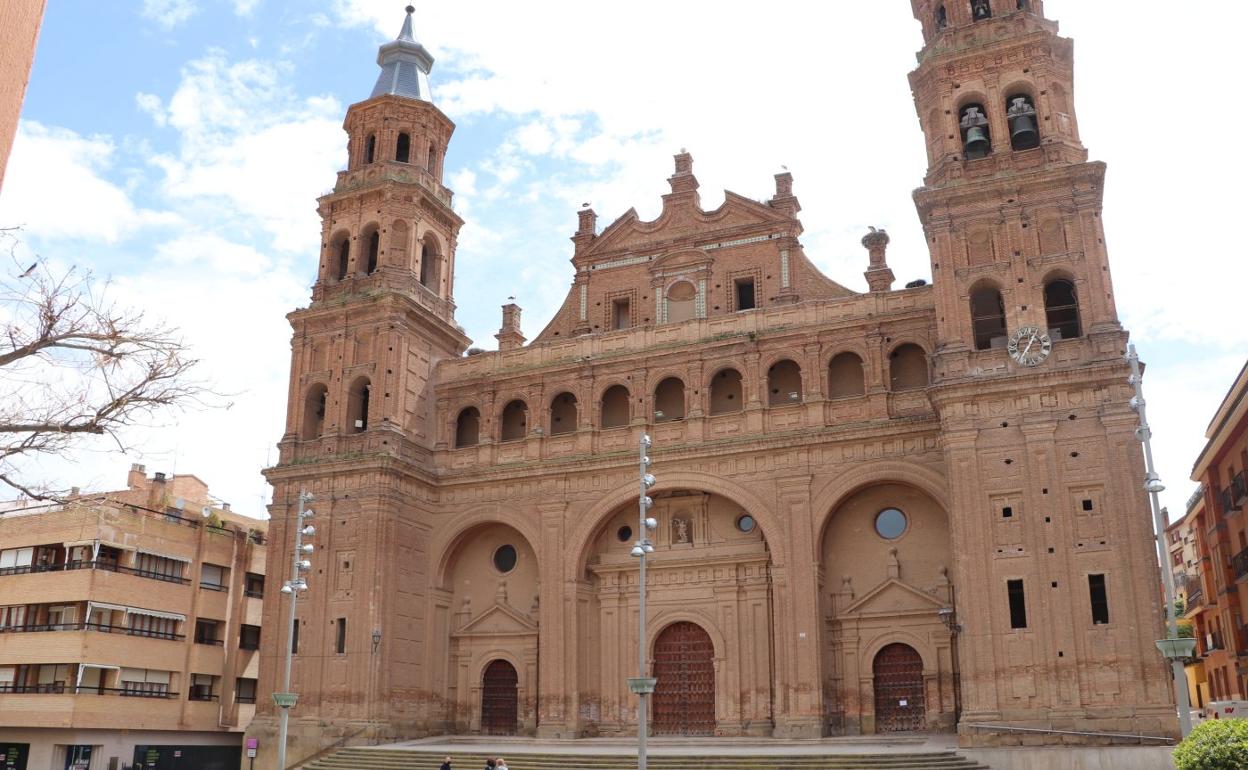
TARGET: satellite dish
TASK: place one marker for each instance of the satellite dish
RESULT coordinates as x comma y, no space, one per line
206,511
179,503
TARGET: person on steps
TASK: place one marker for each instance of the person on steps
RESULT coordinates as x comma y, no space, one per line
490,764
446,764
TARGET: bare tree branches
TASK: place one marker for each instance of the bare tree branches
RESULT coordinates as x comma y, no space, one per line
73,365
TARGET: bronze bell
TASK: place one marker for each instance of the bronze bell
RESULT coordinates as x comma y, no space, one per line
1023,133
976,142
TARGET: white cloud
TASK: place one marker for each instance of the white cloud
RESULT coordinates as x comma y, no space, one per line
249,143
246,7
211,250
56,186
168,13
152,105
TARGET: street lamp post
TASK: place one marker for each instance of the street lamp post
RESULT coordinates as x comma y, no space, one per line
641,684
1176,650
286,699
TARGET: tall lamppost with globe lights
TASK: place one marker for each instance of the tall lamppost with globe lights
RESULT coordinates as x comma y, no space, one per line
300,565
1174,649
643,685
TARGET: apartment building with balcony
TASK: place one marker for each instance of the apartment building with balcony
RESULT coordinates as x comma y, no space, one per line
1222,542
129,625
1183,548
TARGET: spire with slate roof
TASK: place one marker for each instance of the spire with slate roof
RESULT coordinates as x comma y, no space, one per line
405,65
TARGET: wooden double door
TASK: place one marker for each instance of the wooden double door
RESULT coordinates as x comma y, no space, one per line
684,696
499,699
898,680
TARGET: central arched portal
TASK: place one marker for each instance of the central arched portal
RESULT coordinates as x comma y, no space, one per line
684,696
499,698
898,682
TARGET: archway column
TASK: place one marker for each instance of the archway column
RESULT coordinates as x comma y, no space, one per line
974,595
799,692
557,636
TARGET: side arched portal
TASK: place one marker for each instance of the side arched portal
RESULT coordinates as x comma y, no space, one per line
485,628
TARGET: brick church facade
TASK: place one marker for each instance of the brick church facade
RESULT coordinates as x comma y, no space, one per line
905,509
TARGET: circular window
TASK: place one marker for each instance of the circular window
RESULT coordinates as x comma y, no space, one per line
890,523
746,523
505,558
624,533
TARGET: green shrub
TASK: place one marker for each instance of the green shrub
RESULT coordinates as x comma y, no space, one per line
1218,744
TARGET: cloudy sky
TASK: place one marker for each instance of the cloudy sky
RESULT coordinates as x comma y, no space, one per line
177,148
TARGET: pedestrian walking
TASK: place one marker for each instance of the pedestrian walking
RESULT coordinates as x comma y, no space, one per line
446,764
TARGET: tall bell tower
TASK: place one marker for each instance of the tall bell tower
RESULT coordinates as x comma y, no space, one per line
360,424
1057,597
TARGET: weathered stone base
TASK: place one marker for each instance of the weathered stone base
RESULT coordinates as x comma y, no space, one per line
307,738
1111,728
1074,758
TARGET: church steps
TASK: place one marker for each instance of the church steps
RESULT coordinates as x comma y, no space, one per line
403,759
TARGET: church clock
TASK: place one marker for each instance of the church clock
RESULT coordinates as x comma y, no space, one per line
1030,346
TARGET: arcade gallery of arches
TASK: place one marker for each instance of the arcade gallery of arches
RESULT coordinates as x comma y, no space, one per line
718,591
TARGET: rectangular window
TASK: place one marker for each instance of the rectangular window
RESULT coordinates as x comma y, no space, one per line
206,631
245,690
212,577
254,586
621,318
249,638
153,627
341,643
202,686
144,682
294,638
13,616
745,293
1099,598
159,567
1018,604
16,560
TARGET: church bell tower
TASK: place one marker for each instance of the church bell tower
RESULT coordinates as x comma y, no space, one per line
1057,602
360,423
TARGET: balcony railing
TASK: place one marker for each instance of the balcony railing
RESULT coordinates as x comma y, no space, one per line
1239,563
60,688
1226,499
245,698
213,586
205,640
253,594
56,688
203,696
103,565
1239,488
125,692
100,627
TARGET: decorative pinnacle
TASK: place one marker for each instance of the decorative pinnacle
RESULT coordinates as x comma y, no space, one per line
410,9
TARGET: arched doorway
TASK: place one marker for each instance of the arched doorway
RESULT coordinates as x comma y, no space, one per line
684,697
898,683
499,710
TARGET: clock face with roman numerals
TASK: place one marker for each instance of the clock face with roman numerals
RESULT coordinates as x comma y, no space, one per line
1030,346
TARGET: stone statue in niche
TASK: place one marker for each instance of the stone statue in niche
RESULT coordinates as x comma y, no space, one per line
680,530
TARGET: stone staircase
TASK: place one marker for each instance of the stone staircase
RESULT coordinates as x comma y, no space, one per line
419,759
